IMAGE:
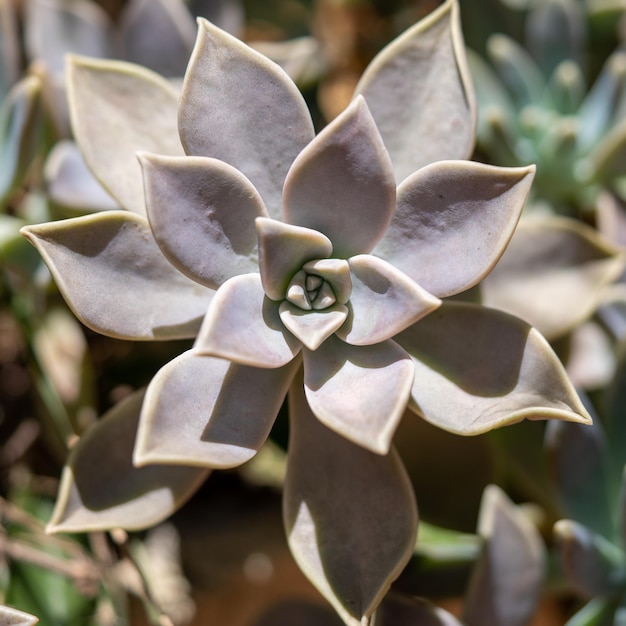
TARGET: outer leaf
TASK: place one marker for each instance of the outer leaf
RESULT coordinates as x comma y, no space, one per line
606,161
591,563
578,455
243,325
431,115
208,412
283,250
555,32
114,277
506,583
202,214
21,127
56,27
598,111
360,392
553,274
100,488
384,301
337,504
229,111
12,617
477,369
70,182
452,222
342,184
517,69
158,34
118,109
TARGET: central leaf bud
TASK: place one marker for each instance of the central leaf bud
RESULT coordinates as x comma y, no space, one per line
320,284
310,291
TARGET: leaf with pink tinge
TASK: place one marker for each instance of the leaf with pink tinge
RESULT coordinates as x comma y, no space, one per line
12,617
337,504
209,412
312,328
116,280
101,489
420,92
384,301
453,221
54,28
553,274
243,325
117,109
342,184
506,583
202,214
283,250
477,369
229,111
360,392
158,34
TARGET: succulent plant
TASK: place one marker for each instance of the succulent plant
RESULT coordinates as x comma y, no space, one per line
320,262
536,108
588,466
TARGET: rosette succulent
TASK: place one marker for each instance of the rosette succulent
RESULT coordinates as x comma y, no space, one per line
321,262
536,107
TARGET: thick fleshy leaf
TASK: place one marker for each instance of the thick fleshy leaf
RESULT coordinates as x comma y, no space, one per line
384,301
591,563
477,369
158,34
21,133
117,109
283,250
507,581
578,455
202,214
553,274
71,183
243,325
12,617
556,31
57,27
342,184
114,277
229,111
426,67
312,328
360,392
209,412
337,504
600,108
606,160
100,487
452,222
517,69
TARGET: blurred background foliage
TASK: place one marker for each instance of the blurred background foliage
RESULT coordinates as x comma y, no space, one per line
537,66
